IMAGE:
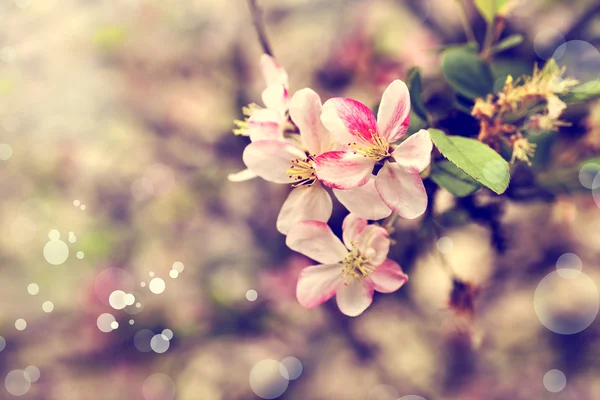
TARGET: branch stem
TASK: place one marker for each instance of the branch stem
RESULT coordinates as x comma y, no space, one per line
259,26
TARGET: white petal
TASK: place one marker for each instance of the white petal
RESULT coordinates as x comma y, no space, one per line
351,227
243,175
374,241
276,97
272,72
318,283
364,201
354,298
270,159
388,277
265,124
401,190
415,151
393,116
343,169
305,111
305,203
315,239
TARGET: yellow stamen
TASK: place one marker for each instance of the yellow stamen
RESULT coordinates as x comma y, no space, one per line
378,149
302,172
356,265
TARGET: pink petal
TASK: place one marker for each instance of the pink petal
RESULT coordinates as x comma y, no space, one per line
315,240
305,203
415,151
244,175
265,124
318,283
351,227
343,169
374,242
364,201
270,159
272,72
276,97
388,277
305,111
393,116
349,121
354,298
401,190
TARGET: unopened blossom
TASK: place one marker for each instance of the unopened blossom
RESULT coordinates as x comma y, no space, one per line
351,270
369,140
265,123
291,162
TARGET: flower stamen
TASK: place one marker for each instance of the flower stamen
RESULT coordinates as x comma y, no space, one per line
356,265
379,148
302,172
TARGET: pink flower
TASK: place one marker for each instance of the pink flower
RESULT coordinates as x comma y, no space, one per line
352,270
276,95
291,161
398,184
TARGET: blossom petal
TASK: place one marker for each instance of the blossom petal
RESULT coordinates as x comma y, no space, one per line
388,277
415,151
272,72
343,169
364,201
393,116
318,283
305,203
276,97
354,298
270,159
265,124
351,227
374,242
402,190
315,239
348,120
243,175
305,111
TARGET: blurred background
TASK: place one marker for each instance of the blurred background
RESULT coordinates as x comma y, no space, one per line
130,268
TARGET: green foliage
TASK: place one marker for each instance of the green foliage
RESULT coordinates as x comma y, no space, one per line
585,92
508,43
413,81
489,8
466,72
476,159
453,179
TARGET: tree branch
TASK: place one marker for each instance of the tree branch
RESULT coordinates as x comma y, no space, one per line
260,27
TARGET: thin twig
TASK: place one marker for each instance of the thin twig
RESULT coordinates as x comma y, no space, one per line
260,27
464,18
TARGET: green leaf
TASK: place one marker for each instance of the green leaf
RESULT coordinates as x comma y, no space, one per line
453,179
582,93
508,43
476,159
413,81
468,74
489,8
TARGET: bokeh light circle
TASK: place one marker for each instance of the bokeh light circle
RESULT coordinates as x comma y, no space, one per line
48,306
32,373
157,285
173,274
2,344
495,171
292,367
596,189
142,339
159,387
167,333
266,379
104,322
112,279
566,306
546,41
56,252
587,175
33,289
555,381
382,392
582,62
178,266
17,382
159,343
412,397
20,324
251,295
569,266
445,244
6,152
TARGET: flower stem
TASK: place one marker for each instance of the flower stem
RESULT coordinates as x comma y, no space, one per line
259,26
464,19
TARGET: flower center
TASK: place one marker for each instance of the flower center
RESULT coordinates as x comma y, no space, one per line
378,149
302,172
357,264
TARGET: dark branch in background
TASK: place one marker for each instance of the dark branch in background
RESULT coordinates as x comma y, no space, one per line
260,26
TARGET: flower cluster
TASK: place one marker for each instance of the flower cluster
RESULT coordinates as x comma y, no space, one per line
530,104
339,146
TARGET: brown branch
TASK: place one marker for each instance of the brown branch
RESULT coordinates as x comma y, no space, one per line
260,27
